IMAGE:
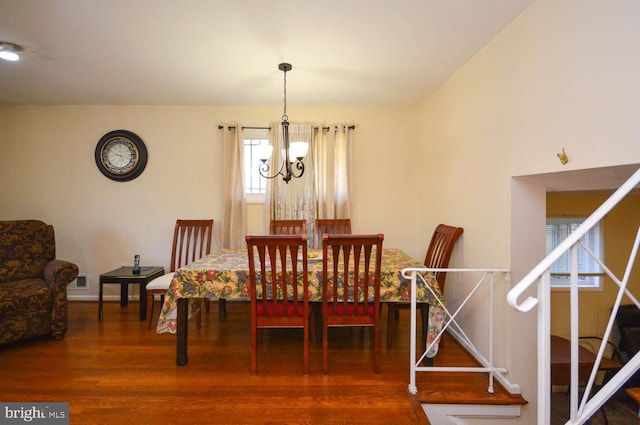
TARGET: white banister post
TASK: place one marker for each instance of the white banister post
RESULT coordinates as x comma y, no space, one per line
574,328
544,346
491,329
413,389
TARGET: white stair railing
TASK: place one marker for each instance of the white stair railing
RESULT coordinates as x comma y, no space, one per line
540,275
486,360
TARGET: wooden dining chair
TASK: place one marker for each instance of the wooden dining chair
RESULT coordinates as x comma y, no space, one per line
278,288
328,226
191,241
438,255
351,287
288,227
332,226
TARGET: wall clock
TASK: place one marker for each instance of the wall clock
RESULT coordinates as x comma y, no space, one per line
121,155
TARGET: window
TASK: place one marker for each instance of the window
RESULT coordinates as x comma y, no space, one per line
255,185
589,273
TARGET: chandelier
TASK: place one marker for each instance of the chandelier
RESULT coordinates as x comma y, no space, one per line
292,153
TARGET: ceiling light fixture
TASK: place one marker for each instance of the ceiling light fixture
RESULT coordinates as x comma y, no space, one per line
290,151
9,51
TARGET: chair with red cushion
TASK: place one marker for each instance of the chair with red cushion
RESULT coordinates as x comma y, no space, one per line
438,255
278,262
351,265
288,227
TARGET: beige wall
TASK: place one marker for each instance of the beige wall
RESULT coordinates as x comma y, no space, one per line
619,228
564,74
48,172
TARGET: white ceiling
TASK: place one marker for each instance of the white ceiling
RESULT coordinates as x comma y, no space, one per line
226,52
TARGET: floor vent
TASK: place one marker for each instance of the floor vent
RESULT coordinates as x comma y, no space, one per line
79,283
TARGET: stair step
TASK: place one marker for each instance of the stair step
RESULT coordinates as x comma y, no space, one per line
469,397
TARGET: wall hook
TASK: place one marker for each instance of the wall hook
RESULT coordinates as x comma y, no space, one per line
563,157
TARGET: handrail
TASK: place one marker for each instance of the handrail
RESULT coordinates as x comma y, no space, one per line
572,239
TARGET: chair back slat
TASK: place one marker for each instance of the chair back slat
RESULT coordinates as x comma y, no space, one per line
288,227
440,249
191,241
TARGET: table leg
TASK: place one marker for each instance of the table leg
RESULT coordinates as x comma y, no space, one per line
424,315
124,294
100,303
182,326
143,301
222,308
424,310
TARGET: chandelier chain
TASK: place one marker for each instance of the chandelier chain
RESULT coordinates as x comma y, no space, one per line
284,114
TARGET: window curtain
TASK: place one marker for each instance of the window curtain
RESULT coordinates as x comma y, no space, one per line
324,191
332,153
234,207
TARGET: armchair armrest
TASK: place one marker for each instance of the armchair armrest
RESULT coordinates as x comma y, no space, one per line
59,273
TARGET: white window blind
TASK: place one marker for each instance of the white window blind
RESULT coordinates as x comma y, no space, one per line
589,272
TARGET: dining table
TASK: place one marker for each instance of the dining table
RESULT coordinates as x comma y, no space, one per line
225,274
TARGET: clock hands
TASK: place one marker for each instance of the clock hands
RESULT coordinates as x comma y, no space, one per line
120,155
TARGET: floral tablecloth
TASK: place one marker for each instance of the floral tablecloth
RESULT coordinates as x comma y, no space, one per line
225,274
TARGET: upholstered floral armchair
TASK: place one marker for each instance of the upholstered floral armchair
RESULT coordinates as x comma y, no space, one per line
33,283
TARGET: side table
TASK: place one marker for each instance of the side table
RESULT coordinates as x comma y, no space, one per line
123,277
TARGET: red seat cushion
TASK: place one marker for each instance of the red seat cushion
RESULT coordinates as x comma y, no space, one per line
280,309
339,310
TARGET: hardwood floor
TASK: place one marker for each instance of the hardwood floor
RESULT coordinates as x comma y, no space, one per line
118,372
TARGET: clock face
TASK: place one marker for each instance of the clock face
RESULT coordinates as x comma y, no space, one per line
121,155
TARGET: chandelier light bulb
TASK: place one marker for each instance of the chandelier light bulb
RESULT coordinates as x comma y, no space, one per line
298,150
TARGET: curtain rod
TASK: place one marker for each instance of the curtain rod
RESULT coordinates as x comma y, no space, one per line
231,127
